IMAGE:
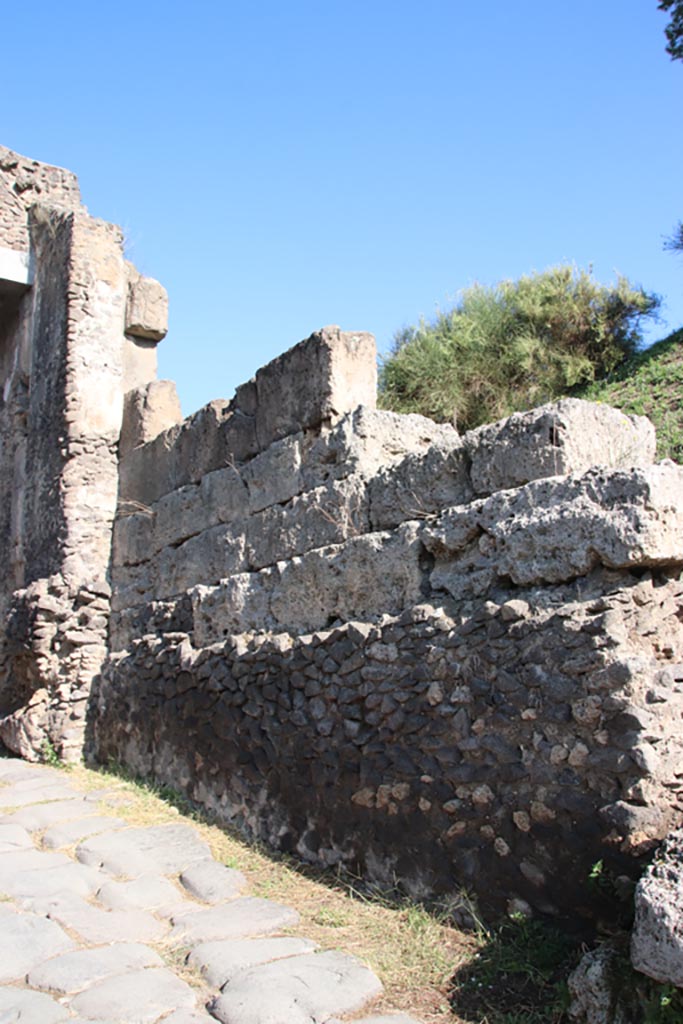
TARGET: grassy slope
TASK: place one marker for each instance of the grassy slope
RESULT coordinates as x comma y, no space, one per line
651,385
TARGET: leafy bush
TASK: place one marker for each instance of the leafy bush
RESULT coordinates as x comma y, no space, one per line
513,346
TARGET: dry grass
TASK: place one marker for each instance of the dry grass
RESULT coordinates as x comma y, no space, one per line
412,950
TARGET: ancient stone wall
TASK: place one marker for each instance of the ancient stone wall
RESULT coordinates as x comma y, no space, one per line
376,643
436,659
67,358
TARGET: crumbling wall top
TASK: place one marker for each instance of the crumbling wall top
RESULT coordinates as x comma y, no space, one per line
24,182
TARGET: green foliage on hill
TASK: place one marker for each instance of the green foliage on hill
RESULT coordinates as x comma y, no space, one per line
650,384
514,346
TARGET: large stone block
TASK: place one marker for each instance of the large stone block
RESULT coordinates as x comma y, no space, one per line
205,559
225,495
179,515
367,440
319,379
236,605
564,437
147,412
132,542
146,308
361,579
364,578
656,939
201,444
275,476
554,530
419,485
147,473
327,515
132,585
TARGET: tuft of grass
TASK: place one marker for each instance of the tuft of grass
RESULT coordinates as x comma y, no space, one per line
650,384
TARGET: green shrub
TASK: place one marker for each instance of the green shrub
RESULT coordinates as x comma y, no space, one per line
513,346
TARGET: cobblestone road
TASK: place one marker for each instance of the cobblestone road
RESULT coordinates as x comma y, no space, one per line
100,921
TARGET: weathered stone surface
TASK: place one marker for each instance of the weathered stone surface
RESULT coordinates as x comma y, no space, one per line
553,530
51,881
221,961
367,440
34,790
148,411
16,770
25,941
189,1017
330,373
40,816
274,476
178,516
421,484
148,892
656,939
59,836
28,861
147,472
331,514
132,538
145,996
248,915
204,559
300,990
598,995
146,308
13,838
20,1006
168,849
563,437
340,582
94,925
74,971
211,882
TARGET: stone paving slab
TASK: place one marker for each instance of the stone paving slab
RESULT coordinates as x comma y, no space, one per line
41,816
72,832
22,1006
239,919
72,972
300,990
13,770
43,883
145,996
28,860
212,882
168,849
148,892
20,794
72,931
26,940
219,962
96,925
13,838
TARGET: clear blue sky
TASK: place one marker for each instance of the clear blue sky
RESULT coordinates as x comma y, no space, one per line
284,165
